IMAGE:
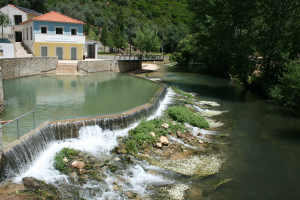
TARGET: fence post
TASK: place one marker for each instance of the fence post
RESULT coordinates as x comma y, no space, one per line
18,128
33,120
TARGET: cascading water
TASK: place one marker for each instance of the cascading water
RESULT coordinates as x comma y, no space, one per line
98,142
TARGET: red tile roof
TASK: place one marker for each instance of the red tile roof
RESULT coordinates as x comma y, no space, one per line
54,17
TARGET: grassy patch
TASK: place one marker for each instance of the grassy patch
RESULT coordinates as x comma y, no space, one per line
176,89
59,164
141,133
184,115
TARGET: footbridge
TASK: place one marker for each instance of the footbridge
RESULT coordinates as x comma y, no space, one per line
139,58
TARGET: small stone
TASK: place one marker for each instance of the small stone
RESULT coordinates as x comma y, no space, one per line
153,134
164,140
78,164
199,134
174,123
65,159
164,125
81,171
158,145
117,159
115,183
191,134
179,133
200,141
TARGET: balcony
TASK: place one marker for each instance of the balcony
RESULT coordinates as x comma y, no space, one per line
55,38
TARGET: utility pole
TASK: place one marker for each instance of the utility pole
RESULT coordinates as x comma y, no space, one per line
130,37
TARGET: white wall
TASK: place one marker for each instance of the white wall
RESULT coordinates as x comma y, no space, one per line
8,50
11,11
29,42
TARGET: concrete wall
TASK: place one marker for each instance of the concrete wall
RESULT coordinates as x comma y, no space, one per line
109,65
20,67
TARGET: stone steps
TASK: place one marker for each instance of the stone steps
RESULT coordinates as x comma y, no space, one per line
67,69
21,51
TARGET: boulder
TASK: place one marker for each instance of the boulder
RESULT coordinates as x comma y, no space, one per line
164,140
158,145
153,134
31,183
78,164
164,125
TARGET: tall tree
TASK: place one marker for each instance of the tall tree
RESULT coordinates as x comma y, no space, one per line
117,38
147,40
104,39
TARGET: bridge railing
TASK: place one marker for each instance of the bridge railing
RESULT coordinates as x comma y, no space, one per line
140,57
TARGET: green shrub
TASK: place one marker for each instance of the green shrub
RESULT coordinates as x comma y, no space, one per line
141,133
176,89
184,115
59,164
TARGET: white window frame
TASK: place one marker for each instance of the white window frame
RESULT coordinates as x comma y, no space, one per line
71,52
47,50
63,32
73,28
63,51
41,28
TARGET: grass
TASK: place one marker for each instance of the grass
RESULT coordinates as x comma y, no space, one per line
59,164
176,89
184,115
141,133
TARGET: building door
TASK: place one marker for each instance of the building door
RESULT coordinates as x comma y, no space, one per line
18,35
91,51
59,53
73,53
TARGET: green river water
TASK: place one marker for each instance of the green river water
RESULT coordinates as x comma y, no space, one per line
264,149
63,97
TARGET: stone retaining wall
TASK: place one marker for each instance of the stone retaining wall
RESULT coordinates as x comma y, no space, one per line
29,66
91,66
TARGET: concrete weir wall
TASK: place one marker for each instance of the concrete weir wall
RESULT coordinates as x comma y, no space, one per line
91,66
29,66
19,154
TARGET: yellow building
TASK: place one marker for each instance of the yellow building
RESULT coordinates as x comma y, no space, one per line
54,34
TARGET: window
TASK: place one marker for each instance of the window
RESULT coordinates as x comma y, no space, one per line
44,29
26,33
23,34
30,33
44,51
73,31
59,30
18,19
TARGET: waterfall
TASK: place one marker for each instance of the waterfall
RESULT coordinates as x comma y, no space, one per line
18,159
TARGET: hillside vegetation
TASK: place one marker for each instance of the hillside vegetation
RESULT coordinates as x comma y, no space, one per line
168,17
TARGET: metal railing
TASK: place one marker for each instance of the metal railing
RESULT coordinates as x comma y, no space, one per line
140,57
17,119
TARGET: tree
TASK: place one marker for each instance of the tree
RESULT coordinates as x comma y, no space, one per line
104,39
118,40
147,40
4,19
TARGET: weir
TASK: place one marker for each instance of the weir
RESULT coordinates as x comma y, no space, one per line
21,153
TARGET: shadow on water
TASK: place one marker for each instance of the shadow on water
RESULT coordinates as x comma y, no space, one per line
292,135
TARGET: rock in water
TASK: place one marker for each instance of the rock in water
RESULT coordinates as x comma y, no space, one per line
164,140
78,164
81,171
153,134
31,183
158,145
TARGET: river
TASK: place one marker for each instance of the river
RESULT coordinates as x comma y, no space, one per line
263,153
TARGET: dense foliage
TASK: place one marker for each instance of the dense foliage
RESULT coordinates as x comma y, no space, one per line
168,18
59,164
252,40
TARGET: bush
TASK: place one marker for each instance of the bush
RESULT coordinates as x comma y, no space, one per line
141,133
288,92
184,115
59,164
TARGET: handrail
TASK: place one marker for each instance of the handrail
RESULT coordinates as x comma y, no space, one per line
140,57
18,121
